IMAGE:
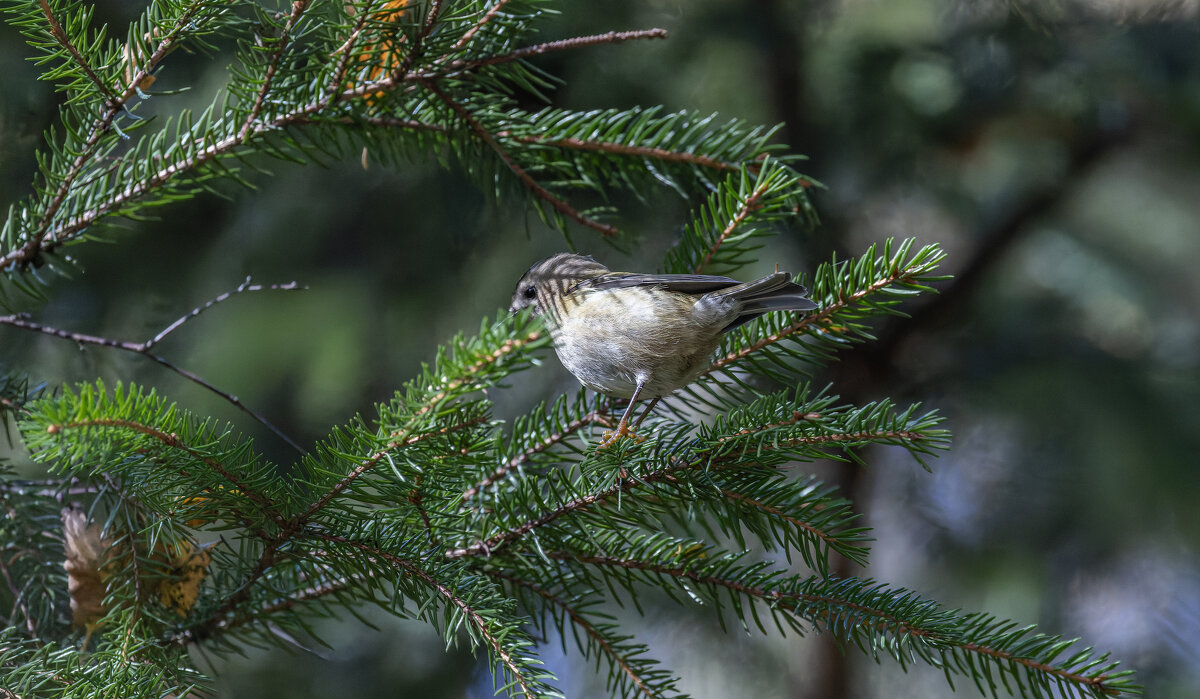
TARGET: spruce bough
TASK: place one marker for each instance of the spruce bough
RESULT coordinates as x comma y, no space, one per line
433,509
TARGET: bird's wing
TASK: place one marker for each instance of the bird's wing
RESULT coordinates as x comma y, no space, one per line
683,283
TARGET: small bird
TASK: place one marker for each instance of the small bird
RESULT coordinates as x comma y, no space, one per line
639,336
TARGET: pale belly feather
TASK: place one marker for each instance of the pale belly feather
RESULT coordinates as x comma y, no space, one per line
613,340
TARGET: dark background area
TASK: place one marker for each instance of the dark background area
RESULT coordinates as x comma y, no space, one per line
1052,148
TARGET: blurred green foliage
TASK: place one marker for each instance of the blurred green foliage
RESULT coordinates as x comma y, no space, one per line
1053,149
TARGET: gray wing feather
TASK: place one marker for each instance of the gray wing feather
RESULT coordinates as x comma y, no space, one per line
683,283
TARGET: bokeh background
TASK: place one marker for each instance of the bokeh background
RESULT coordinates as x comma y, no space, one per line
1052,148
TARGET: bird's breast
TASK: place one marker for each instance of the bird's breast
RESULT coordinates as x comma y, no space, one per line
613,339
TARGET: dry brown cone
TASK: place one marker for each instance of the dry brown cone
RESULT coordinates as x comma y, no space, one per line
87,554
179,570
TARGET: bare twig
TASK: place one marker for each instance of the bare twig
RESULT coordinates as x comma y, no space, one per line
143,348
460,66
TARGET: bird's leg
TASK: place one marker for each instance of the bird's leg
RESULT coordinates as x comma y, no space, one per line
623,430
646,412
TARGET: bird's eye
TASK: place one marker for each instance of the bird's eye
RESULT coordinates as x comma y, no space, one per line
530,292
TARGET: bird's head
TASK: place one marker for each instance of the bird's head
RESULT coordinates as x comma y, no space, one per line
549,280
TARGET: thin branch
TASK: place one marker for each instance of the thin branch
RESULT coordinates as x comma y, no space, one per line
18,600
402,73
460,66
557,204
399,439
582,622
388,122
347,51
241,288
143,348
829,539
487,17
820,316
294,599
625,149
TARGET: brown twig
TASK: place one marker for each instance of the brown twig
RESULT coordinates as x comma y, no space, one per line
487,17
63,40
143,348
460,66
625,149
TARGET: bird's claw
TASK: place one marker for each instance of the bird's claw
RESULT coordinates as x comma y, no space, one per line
612,436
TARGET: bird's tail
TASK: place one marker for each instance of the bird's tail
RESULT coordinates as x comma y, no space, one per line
774,292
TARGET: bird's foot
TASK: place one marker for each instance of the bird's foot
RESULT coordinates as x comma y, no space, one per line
612,436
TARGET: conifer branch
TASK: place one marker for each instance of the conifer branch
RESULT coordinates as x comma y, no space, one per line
470,613
665,474
941,638
174,441
526,179
624,149
298,8
61,37
35,244
827,537
579,620
483,21
746,208
595,416
821,319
